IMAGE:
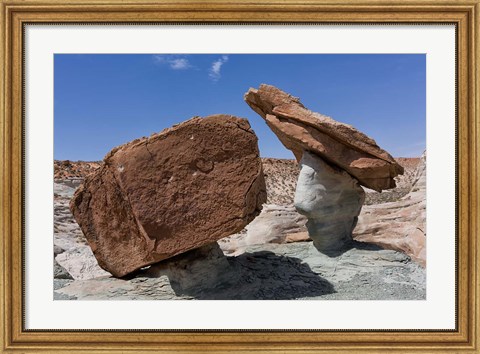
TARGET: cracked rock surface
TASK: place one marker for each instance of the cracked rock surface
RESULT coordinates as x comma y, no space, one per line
156,197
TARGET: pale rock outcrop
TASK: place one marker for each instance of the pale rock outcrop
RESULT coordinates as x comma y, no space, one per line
398,225
57,250
273,225
80,263
156,197
59,272
301,236
331,200
337,143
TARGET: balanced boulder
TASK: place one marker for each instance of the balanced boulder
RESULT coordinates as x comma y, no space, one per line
174,191
337,143
335,159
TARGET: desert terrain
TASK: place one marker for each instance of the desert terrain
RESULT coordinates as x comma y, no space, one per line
272,258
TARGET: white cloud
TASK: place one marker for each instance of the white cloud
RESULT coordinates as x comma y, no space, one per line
175,62
215,69
179,64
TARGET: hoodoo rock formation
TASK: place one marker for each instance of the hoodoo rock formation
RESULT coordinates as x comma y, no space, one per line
335,160
174,191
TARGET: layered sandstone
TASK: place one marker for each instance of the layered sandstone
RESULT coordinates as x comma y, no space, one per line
339,144
399,225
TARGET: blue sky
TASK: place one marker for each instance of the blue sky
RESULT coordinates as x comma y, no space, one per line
104,100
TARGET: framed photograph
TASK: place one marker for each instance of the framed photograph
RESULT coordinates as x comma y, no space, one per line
219,176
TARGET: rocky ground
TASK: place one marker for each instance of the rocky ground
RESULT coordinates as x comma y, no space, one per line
270,259
270,272
72,173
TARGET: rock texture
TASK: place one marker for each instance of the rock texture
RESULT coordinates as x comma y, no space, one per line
281,179
331,200
263,272
337,143
177,190
80,263
59,272
274,224
73,172
398,225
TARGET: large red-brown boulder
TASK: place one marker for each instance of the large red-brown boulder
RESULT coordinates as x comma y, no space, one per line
177,190
341,145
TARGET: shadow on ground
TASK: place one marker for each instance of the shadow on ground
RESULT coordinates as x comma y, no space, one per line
333,253
260,275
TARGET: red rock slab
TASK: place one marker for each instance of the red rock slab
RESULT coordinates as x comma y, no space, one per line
339,144
177,190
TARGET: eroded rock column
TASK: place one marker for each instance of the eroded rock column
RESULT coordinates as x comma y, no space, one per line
331,200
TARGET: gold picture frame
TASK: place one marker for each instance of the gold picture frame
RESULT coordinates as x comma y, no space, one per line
464,14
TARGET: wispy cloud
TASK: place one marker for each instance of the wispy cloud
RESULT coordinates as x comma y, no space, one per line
175,62
215,69
182,62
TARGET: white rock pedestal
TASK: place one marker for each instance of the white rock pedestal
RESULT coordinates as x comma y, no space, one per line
331,200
